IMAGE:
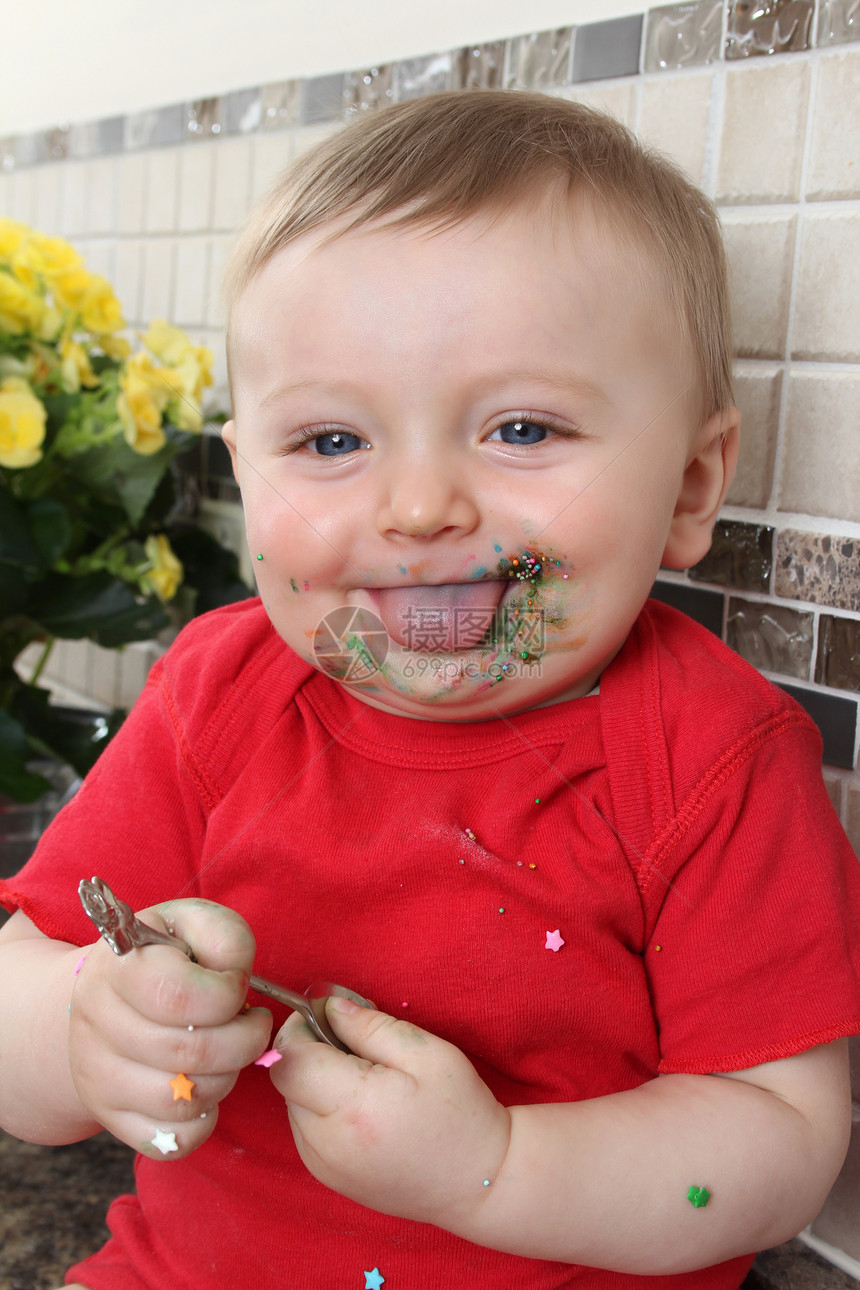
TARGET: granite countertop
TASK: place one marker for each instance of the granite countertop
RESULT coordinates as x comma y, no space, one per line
53,1202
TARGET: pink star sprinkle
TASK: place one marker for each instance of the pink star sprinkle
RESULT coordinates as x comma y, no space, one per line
553,941
269,1058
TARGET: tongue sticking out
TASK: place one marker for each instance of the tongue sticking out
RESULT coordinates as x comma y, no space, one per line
453,616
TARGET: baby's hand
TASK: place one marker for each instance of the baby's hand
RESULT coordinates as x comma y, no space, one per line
405,1127
139,1021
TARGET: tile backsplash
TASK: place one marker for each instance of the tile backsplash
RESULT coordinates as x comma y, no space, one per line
760,104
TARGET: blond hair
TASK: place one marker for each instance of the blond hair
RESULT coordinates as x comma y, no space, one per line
441,159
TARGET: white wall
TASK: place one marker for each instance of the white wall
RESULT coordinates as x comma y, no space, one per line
66,62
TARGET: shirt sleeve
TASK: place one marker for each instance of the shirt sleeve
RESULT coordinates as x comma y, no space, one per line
138,822
752,898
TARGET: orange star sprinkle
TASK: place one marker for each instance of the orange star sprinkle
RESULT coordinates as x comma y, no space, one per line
182,1087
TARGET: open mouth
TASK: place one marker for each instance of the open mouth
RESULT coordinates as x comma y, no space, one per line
448,616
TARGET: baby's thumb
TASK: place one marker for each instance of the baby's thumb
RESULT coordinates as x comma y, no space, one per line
219,937
375,1035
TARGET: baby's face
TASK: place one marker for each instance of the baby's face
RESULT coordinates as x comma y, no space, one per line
477,437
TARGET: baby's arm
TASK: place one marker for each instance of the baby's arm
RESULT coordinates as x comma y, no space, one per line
134,1023
413,1131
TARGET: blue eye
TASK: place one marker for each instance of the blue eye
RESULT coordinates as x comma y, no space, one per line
335,444
526,432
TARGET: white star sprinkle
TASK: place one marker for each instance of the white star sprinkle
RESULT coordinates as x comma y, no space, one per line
166,1142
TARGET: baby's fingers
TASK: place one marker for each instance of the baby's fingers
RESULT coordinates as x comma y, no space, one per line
314,1076
219,937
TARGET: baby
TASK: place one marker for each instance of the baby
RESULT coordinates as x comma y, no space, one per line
578,853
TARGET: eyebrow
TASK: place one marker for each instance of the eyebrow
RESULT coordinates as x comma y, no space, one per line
554,380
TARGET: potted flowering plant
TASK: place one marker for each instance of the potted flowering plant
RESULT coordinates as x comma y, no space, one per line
93,539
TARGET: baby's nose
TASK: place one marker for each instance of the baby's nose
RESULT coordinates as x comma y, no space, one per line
423,500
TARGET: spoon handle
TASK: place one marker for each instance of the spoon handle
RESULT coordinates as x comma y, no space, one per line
123,932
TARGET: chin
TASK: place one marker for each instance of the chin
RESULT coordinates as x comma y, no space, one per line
467,686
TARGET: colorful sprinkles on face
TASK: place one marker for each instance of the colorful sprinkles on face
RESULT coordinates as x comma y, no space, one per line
528,567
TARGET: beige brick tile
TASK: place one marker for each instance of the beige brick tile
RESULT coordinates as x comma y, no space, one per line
104,673
618,98
834,155
48,192
196,173
133,664
101,195
220,251
128,278
74,205
158,279
821,465
132,177
271,154
74,665
162,191
764,119
757,391
306,137
839,1221
760,250
232,191
673,116
7,204
98,256
18,195
192,281
827,304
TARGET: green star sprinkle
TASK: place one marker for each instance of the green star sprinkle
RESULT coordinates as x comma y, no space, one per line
698,1196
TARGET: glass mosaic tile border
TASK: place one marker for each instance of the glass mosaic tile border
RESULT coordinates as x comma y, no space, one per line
669,37
780,641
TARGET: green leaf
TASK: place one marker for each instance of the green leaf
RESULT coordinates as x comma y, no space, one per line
15,751
51,528
99,606
15,591
210,569
18,548
121,476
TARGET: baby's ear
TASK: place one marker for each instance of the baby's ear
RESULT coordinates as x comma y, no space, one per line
228,434
706,480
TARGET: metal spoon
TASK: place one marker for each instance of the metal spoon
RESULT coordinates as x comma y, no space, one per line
124,932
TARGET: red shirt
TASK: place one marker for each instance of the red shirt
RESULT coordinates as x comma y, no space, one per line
684,846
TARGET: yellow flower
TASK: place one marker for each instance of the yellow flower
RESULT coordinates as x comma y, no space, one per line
141,404
20,310
166,572
194,371
22,424
75,366
187,371
12,234
44,257
114,346
165,342
99,307
70,286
